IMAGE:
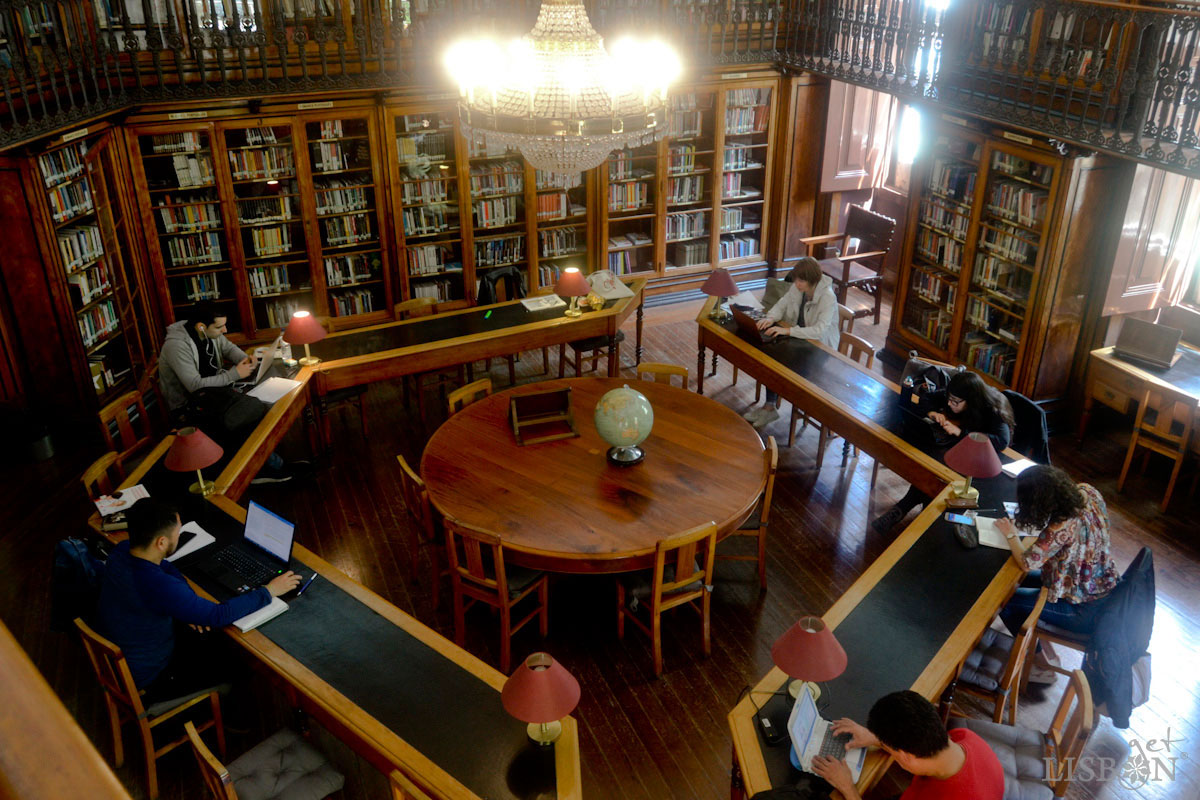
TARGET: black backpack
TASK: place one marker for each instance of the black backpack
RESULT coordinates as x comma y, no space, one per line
75,583
923,385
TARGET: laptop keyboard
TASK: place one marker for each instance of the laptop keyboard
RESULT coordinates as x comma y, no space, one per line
834,745
254,573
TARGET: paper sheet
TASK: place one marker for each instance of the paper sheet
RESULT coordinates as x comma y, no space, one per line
202,539
542,302
746,299
110,505
272,389
1017,467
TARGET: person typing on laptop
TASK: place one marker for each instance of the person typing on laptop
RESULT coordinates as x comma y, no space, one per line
950,765
145,602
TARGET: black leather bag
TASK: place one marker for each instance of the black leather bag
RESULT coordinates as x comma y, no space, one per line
923,386
223,412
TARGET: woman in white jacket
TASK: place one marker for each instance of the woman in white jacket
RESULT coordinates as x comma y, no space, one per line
809,310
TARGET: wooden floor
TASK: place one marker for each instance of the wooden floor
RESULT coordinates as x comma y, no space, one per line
640,737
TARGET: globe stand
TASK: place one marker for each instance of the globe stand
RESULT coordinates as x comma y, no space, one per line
625,456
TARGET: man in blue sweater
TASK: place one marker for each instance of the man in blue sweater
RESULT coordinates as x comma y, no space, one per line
143,597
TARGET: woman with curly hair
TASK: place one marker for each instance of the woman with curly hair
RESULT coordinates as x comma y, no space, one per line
1070,556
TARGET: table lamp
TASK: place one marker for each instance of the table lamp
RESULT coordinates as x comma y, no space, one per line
572,284
541,692
972,457
304,329
193,450
809,652
720,285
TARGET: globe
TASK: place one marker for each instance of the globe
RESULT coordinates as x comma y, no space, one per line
624,418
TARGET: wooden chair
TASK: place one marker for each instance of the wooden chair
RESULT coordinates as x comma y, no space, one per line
349,397
124,703
845,325
440,379
462,397
478,574
126,426
404,789
682,574
1163,425
593,348
995,669
274,765
860,250
98,478
425,527
756,525
858,350
662,373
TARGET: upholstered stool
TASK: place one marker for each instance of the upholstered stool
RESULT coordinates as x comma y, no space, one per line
281,767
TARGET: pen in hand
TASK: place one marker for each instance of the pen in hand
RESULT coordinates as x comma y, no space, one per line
307,584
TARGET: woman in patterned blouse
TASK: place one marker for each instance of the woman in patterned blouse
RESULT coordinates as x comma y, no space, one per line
1070,556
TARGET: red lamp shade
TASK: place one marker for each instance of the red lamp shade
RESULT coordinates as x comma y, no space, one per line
303,328
192,449
572,284
719,284
809,651
540,690
974,457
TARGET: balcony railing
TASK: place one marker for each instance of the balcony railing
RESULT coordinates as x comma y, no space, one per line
1100,75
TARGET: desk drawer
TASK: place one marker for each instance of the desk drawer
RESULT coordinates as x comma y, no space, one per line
1118,399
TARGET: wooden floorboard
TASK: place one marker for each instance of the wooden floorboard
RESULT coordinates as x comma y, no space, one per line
640,737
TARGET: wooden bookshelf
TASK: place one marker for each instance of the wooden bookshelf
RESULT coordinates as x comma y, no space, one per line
497,195
561,224
746,151
632,209
693,198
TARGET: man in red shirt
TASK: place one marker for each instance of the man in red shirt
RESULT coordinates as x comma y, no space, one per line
946,766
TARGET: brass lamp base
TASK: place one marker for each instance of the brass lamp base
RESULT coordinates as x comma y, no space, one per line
965,496
309,361
203,488
797,685
544,733
573,309
719,314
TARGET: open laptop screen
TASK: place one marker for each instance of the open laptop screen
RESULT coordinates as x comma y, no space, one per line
269,531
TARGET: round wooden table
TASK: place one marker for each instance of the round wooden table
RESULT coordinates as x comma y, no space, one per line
561,506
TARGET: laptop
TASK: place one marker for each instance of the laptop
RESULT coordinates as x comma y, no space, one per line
748,326
264,365
813,736
262,553
1147,343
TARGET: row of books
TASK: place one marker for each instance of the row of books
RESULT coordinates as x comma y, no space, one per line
334,156
62,165
548,274
739,219
503,250
339,197
689,101
738,156
270,162
194,248
953,179
279,312
355,268
88,284
562,241
1019,202
269,280
741,120
432,145
69,200
688,254
544,180
932,323
1019,167
97,322
623,262
939,249
428,259
501,177
748,97
686,226
557,205
352,229
271,241
944,218
987,355
683,124
199,287
257,136
182,142
732,187
79,246
996,273
439,290
633,239
738,247
497,212
331,129
681,158
621,166
422,122
185,219
102,375
479,147
193,170
935,290
265,209
1008,243
426,220
689,189
433,190
628,196
354,301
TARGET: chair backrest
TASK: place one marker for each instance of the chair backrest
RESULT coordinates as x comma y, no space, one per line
416,497
845,319
1032,436
98,478
463,396
1026,635
1069,731
1167,415
125,425
216,777
662,373
873,231
691,553
771,455
857,348
476,557
111,668
416,307
404,789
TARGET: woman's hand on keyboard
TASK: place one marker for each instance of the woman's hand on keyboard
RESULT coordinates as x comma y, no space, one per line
282,584
859,735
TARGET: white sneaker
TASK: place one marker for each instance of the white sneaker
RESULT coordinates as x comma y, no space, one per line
752,413
766,418
1042,675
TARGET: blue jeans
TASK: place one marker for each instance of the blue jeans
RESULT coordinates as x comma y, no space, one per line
1075,617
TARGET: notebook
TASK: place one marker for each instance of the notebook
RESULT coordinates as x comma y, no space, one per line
813,736
247,563
1147,343
748,327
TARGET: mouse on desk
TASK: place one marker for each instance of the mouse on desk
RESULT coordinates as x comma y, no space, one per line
967,535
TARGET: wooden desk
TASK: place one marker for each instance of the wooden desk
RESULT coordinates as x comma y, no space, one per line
561,506
1120,385
416,702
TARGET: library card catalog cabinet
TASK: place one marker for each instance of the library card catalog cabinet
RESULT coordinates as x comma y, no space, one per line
1003,236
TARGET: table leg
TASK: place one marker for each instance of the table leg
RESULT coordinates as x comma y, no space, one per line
700,369
714,364
737,788
614,366
641,313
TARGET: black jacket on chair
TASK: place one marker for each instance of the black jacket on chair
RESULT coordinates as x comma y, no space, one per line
514,285
1032,437
1121,637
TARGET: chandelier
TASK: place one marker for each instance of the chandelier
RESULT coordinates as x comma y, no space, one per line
556,95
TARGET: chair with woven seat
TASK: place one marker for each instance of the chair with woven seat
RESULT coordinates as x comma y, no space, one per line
99,479
860,250
478,574
124,702
592,348
126,426
662,373
281,767
682,575
858,350
1163,425
426,527
995,668
463,396
1039,766
757,523
404,789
